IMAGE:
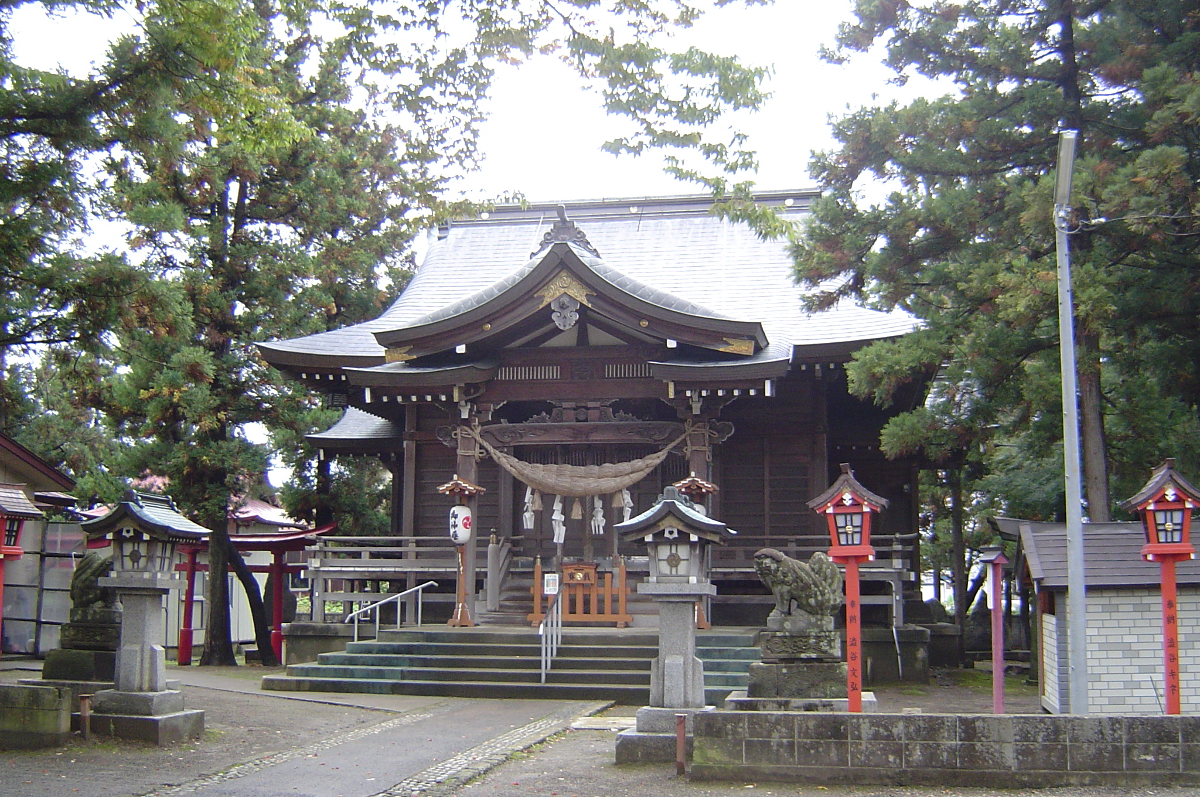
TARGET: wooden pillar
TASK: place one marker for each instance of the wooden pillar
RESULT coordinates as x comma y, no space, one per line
468,470
853,638
819,472
280,575
699,451
406,468
184,655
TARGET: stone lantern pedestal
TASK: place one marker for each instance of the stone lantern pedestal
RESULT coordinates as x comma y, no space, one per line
143,705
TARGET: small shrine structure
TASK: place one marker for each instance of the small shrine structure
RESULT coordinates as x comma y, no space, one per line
574,361
1125,656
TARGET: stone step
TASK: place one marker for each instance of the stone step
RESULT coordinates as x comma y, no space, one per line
625,695
600,663
488,650
531,662
480,674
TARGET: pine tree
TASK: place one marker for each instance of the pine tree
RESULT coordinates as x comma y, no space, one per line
963,239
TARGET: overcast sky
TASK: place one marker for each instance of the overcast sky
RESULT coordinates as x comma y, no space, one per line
544,133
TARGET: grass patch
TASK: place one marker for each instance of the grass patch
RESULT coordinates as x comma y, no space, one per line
981,681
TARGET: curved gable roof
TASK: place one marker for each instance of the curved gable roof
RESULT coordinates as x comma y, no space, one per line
568,268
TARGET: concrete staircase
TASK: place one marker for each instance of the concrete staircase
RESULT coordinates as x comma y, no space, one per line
500,662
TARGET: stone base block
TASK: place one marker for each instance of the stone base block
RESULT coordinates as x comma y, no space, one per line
73,689
80,665
90,636
303,642
737,701
899,655
652,740
807,680
161,730
652,719
144,704
636,747
33,717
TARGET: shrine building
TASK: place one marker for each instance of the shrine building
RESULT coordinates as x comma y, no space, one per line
575,360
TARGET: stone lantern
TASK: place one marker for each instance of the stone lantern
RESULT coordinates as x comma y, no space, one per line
143,531
1165,505
677,536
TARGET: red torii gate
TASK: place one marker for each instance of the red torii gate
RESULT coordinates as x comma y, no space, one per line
278,544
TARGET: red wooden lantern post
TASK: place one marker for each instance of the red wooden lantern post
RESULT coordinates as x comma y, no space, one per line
848,507
460,532
993,557
1165,505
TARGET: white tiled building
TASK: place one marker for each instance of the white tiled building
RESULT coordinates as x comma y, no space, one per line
1124,620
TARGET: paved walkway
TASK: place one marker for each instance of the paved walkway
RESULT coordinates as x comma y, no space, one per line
261,744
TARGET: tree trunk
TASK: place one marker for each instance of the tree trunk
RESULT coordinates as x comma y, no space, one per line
1091,431
324,513
977,582
218,642
262,624
958,561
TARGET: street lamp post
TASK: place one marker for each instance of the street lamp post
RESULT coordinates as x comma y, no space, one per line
848,508
1165,505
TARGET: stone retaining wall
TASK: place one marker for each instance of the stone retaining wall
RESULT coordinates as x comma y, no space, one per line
33,716
977,750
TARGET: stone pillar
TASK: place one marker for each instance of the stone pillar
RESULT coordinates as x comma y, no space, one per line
141,659
676,676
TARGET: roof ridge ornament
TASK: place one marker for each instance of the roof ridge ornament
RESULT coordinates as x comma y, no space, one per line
565,231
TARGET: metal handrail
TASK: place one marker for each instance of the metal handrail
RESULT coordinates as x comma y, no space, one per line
551,630
390,599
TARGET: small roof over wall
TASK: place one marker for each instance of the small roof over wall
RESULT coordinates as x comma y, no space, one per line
1112,555
15,503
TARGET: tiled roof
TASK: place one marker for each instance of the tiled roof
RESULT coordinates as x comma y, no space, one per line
256,510
15,503
1112,555
682,258
153,510
356,425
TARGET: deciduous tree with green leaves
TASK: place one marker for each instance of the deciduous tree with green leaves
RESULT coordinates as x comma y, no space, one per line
274,159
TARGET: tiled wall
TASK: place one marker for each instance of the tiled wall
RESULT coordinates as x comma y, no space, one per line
1125,652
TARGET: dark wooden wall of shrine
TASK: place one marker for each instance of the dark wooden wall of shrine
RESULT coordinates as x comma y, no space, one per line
784,451
772,464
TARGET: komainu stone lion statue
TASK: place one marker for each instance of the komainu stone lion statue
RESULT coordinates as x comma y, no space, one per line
806,593
86,593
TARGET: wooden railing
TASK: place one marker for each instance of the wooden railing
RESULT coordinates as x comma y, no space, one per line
583,598
355,561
